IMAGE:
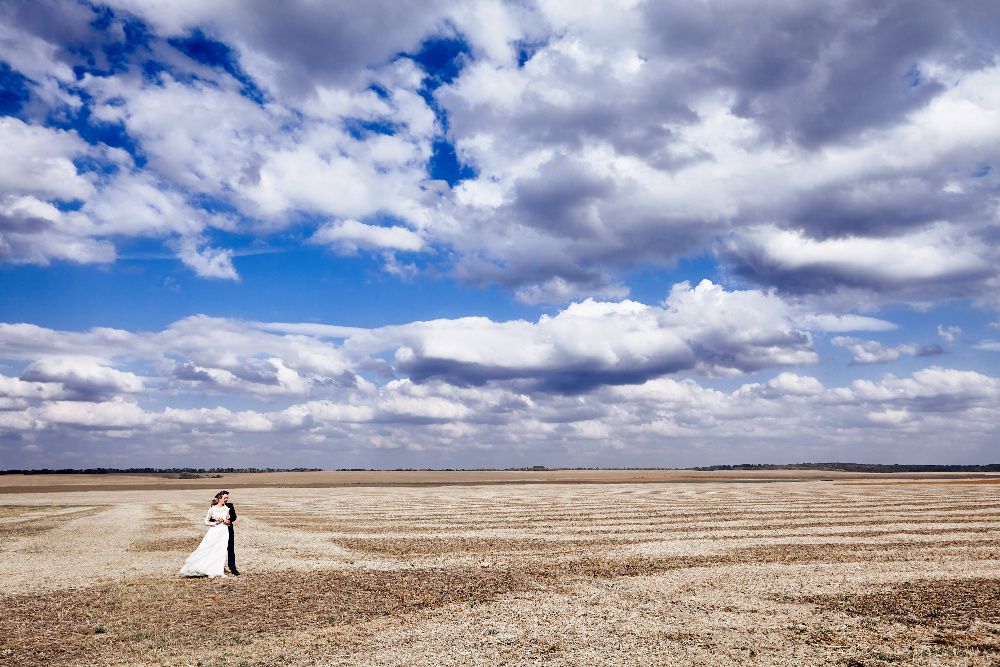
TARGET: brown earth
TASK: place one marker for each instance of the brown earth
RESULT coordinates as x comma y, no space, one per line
717,573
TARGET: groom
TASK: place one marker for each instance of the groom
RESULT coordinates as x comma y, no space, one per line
232,538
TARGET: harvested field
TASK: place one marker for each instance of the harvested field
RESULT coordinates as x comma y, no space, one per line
715,573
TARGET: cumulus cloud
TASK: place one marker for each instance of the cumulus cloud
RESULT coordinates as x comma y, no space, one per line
580,153
840,323
664,416
198,353
350,235
33,231
207,262
37,171
28,342
202,135
15,391
111,415
299,45
935,259
949,334
703,329
873,352
930,390
832,153
38,161
795,385
559,290
195,134
82,378
590,138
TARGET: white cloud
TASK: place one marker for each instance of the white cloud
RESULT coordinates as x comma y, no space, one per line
30,54
796,385
207,262
559,290
703,329
594,151
23,341
940,253
16,390
949,334
200,136
584,158
33,231
934,388
216,419
91,379
873,352
660,417
117,413
841,323
350,235
602,141
37,172
173,17
870,351
38,161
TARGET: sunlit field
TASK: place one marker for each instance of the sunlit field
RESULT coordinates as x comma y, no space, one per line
843,572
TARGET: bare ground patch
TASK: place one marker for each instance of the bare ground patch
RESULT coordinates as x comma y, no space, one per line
160,619
171,522
960,613
12,511
37,525
616,566
157,544
468,545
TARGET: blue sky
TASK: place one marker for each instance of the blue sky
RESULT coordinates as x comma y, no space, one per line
498,234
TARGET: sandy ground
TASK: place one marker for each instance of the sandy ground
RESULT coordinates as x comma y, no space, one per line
715,573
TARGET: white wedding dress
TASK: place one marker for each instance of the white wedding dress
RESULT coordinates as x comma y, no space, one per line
209,559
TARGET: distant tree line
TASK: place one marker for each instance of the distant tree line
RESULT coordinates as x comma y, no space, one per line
190,473
150,471
839,467
858,467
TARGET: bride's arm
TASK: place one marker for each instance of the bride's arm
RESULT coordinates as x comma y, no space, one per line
209,521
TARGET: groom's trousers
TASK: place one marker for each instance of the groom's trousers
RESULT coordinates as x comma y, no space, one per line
232,549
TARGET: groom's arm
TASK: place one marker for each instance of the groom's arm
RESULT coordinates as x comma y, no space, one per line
232,513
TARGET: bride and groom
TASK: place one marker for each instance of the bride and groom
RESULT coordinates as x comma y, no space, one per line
218,546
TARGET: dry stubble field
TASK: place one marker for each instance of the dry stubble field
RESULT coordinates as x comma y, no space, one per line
711,573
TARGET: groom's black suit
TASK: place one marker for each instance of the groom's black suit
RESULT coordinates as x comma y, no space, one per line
232,539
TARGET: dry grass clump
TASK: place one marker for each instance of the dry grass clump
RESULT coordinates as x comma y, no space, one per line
609,567
24,529
28,520
157,544
11,511
396,547
617,566
963,613
173,523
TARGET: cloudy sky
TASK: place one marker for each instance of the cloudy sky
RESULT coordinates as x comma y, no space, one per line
487,233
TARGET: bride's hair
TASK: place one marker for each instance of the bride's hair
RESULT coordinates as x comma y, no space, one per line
215,500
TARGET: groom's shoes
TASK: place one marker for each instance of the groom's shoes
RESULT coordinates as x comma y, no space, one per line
234,573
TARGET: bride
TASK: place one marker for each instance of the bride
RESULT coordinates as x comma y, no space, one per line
209,559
